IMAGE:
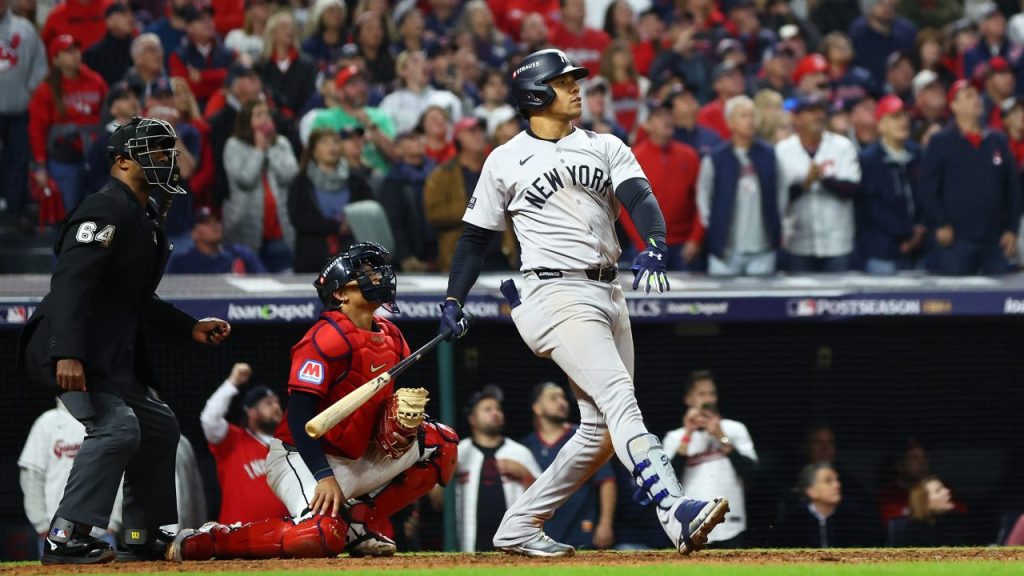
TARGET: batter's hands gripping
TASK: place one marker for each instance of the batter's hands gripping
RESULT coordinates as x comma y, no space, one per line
649,268
211,331
400,418
453,319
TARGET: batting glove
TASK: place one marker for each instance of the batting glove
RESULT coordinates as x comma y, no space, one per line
453,319
649,268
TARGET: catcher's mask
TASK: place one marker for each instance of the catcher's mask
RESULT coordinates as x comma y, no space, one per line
367,263
149,143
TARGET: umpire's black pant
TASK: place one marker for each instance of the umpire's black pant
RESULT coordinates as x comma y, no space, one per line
129,433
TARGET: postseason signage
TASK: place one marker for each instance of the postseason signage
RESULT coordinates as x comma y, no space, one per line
674,307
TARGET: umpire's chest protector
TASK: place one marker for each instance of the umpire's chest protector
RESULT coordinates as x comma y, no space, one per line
111,254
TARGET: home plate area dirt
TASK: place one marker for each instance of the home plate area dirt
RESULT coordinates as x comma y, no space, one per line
441,561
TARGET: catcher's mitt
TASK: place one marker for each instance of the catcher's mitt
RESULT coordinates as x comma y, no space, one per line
402,414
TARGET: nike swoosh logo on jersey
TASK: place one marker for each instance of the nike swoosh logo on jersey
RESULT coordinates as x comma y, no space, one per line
525,160
376,368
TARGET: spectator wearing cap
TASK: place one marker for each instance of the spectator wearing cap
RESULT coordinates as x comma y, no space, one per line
671,167
171,27
993,42
210,254
810,77
779,13
407,104
863,128
996,82
23,59
728,82
492,46
1012,111
586,518
744,25
289,75
402,197
248,39
776,71
111,56
899,77
597,110
731,50
683,59
970,189
929,103
890,232
818,175
846,80
201,59
369,33
64,118
83,20
685,108
878,34
120,106
147,62
319,198
241,451
325,37
737,198
582,44
352,88
448,190
794,38
260,167
493,471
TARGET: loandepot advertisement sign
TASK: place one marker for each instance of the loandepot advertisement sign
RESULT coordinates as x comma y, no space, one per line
273,312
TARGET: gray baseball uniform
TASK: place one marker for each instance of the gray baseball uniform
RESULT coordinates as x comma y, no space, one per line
561,199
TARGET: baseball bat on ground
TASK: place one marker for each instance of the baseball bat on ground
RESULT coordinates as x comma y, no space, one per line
335,413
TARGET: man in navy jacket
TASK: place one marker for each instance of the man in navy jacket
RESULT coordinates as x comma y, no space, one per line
878,34
971,192
890,232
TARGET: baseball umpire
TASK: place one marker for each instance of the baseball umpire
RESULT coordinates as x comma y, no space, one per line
85,339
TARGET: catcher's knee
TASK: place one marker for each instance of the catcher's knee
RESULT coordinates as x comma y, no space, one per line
316,537
443,442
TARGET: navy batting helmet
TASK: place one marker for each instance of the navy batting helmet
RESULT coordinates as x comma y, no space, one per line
367,263
530,87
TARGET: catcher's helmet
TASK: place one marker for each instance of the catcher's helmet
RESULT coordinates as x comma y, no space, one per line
150,143
530,79
367,263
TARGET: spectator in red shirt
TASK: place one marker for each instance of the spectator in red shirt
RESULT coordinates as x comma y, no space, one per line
434,126
83,20
581,44
510,14
241,451
671,168
647,42
997,80
64,119
201,59
628,88
228,15
727,82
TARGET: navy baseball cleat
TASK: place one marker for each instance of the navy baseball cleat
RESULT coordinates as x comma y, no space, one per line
698,519
540,546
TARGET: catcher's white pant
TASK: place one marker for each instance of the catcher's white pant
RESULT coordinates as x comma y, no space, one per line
582,325
293,483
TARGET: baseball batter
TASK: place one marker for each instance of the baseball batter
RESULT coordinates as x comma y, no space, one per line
563,187
375,462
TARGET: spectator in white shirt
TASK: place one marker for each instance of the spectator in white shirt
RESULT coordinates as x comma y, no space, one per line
407,104
713,456
818,175
248,40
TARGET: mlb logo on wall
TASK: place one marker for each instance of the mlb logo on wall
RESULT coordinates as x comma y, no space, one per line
804,307
312,372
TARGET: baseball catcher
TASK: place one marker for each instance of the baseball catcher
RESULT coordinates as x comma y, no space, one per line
374,463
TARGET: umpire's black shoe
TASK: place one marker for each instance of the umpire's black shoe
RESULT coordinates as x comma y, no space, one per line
153,548
79,549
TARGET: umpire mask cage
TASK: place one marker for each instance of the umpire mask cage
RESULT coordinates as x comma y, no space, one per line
369,265
151,144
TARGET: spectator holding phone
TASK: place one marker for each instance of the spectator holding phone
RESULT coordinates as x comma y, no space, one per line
713,455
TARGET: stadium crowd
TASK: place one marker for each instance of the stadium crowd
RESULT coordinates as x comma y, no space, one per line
803,135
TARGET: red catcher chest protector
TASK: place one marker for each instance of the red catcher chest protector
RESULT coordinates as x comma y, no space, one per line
371,354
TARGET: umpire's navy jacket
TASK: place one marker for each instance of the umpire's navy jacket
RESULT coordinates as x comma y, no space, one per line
111,254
